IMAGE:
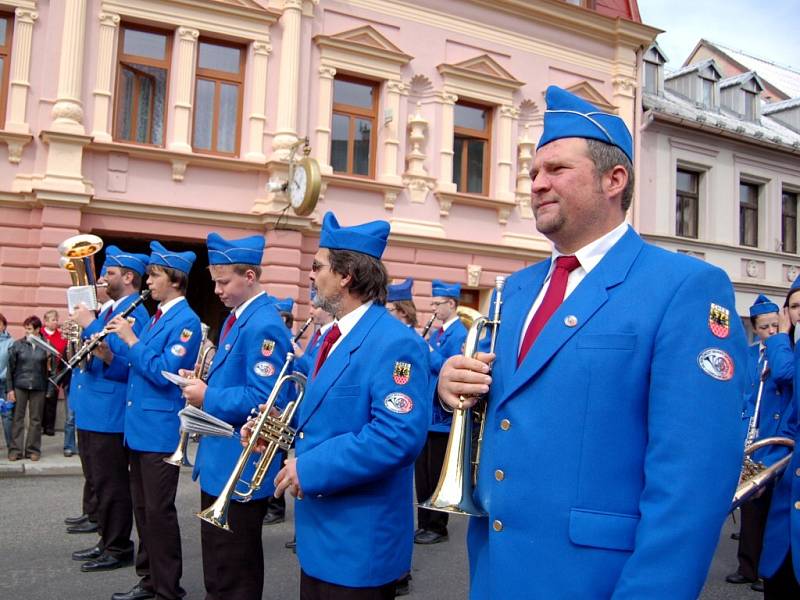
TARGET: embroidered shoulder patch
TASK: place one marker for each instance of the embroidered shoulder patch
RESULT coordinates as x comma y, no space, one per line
719,320
716,363
263,369
402,373
178,350
186,335
398,403
267,347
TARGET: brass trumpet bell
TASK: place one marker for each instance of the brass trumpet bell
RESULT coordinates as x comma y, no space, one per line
755,475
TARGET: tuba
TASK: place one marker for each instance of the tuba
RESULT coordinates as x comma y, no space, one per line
180,458
77,255
454,492
756,475
277,434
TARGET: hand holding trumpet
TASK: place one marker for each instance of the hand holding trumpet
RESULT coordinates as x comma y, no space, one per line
463,380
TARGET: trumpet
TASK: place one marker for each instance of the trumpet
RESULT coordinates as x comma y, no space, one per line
93,343
454,491
428,325
277,434
755,475
180,458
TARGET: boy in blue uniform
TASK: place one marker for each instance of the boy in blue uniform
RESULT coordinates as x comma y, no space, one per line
251,351
361,425
99,404
170,342
615,397
445,342
780,553
770,360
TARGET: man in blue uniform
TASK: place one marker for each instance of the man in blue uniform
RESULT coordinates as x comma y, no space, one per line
612,445
445,342
770,373
99,405
361,425
400,302
251,351
170,342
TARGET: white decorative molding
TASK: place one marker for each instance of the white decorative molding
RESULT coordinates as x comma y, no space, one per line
322,147
474,275
16,143
106,60
525,147
289,76
180,132
20,73
257,89
67,112
416,178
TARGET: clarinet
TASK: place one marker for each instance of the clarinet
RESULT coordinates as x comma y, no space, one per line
427,327
93,343
302,330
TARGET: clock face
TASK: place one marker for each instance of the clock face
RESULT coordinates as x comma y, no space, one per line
297,187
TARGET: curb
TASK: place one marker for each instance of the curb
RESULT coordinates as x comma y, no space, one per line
31,469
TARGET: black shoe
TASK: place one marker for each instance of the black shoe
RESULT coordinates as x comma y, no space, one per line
76,520
402,586
88,554
86,527
106,562
50,432
137,592
738,578
274,517
429,537
758,586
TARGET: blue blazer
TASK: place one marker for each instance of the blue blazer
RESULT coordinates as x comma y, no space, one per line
782,532
450,343
610,428
776,397
99,402
241,377
151,414
361,428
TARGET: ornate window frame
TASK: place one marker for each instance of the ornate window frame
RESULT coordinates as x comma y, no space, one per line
246,22
480,79
363,52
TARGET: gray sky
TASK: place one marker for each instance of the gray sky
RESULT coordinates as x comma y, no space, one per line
766,29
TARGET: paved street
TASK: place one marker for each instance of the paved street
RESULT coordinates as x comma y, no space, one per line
35,551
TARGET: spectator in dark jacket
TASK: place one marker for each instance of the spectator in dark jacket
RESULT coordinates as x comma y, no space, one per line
27,383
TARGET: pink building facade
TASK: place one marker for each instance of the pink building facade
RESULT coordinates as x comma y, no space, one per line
167,119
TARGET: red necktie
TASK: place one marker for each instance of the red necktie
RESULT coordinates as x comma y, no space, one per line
228,324
553,298
439,333
108,314
314,339
330,339
156,317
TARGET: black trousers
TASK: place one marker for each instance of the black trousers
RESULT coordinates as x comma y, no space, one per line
312,588
751,534
784,585
107,461
154,484
233,561
426,476
49,414
89,500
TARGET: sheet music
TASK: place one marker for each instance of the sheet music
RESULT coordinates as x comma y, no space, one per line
81,294
194,420
176,379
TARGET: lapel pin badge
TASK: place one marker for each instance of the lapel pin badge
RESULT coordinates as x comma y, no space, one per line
570,320
227,347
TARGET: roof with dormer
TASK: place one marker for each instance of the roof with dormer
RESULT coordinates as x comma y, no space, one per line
698,66
741,80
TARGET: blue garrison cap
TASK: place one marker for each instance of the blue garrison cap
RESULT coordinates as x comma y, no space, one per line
400,291
446,290
181,261
568,116
367,238
284,305
762,306
126,260
244,251
795,284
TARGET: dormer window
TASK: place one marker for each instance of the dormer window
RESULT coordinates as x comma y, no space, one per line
707,91
750,100
653,71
